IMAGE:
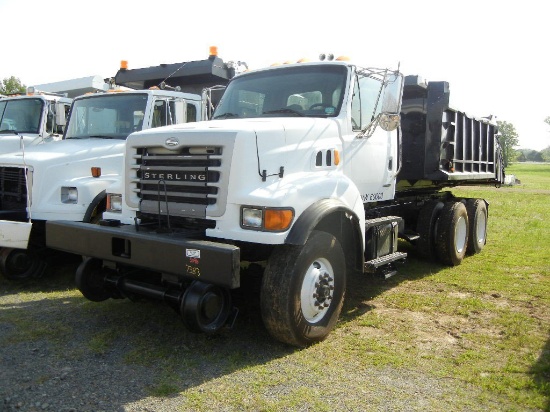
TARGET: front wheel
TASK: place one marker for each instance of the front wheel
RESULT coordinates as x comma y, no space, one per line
303,290
21,264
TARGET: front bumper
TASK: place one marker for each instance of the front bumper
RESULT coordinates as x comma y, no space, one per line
15,234
171,253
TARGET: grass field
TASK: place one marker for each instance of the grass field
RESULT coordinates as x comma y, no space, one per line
475,337
486,321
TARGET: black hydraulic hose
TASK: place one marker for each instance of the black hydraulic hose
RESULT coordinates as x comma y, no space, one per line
144,289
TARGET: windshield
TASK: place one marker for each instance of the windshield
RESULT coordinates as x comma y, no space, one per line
109,116
315,91
21,116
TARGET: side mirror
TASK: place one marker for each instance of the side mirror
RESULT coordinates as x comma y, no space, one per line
60,118
389,121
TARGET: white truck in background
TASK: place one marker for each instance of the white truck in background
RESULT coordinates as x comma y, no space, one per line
68,179
31,119
311,171
40,115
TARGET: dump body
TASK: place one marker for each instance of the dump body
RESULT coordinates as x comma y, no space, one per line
75,87
443,145
191,75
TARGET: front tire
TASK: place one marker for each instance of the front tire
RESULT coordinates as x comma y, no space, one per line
21,264
303,290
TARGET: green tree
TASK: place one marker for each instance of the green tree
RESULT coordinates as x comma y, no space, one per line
12,85
546,152
509,139
534,156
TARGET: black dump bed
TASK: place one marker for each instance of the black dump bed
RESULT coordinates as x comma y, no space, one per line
444,145
190,77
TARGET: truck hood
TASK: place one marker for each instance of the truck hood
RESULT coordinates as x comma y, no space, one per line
12,143
247,155
283,143
294,127
64,151
275,143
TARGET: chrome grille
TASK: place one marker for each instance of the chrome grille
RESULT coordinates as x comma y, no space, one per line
182,184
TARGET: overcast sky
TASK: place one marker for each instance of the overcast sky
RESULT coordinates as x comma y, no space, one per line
494,54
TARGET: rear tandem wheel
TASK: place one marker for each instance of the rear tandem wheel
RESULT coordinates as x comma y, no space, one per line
477,217
452,233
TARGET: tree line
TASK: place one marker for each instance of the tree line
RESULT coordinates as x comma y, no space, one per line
12,85
510,140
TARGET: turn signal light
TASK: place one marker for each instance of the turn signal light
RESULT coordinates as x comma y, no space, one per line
278,219
96,171
336,157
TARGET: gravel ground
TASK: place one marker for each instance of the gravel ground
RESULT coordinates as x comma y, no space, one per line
68,354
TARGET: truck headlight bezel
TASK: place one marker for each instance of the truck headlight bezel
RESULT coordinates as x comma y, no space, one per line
114,202
69,195
266,219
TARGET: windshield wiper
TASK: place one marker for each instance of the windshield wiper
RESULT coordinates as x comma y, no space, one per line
225,116
284,110
97,136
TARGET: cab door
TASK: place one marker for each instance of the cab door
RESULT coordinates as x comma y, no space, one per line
373,153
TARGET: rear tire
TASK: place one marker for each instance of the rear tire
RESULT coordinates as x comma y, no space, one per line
477,217
452,233
425,227
303,290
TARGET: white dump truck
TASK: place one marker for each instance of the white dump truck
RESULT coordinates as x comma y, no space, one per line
311,170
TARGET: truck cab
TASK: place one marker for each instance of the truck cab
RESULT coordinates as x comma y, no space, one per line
31,119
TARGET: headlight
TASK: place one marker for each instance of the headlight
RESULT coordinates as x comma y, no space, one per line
69,195
267,219
114,202
252,218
